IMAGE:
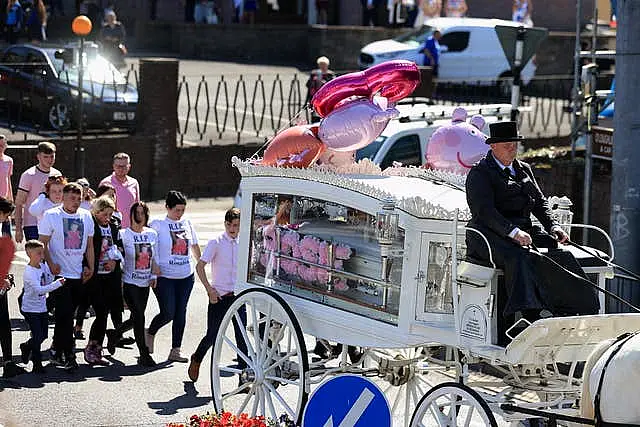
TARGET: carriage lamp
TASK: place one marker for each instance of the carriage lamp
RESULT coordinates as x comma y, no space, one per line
386,232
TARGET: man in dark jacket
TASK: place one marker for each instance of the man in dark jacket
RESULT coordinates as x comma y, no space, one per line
502,193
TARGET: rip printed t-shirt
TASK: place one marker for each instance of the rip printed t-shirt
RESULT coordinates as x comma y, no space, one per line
140,249
105,247
174,247
69,234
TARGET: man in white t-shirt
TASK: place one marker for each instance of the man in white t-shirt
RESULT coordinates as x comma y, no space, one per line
222,253
31,184
67,233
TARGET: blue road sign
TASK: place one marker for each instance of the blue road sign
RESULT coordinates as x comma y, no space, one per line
347,401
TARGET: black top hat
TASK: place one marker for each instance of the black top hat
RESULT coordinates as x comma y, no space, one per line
503,132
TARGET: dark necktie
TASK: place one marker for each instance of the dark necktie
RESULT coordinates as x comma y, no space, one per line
507,172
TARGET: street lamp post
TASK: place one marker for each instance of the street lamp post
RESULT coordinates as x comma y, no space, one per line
81,27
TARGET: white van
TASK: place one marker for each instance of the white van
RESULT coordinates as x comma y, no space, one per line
471,51
405,139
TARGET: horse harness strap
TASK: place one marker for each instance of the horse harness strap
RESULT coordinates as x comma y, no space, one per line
620,341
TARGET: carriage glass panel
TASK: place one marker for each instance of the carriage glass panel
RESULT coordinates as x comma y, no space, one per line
438,292
325,252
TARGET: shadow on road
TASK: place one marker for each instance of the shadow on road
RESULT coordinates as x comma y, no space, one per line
189,399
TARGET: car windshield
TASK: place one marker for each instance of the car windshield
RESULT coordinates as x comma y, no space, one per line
370,150
415,37
98,70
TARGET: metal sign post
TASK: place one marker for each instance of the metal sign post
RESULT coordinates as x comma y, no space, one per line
589,81
519,45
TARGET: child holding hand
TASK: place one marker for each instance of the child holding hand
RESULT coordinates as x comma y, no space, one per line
38,281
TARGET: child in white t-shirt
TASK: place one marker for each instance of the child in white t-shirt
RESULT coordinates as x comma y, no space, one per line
38,280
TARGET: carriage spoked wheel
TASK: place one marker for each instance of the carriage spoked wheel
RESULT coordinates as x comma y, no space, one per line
405,378
267,375
452,405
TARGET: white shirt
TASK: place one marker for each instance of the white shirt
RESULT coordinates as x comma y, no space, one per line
140,249
37,282
511,168
222,253
174,247
69,234
40,205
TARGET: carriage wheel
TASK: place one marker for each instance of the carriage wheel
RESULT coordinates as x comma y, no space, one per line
452,405
269,377
403,371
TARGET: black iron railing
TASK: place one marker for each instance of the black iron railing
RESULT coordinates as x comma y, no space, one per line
243,109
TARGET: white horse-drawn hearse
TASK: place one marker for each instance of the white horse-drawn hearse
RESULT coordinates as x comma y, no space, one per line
376,260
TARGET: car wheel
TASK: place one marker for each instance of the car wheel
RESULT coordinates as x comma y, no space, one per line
59,116
504,85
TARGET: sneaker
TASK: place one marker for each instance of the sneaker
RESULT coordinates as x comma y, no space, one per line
56,359
90,354
70,364
25,352
175,356
146,360
11,370
148,340
98,357
111,341
194,370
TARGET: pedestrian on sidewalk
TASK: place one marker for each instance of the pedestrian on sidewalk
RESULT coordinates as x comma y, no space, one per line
67,233
38,281
126,187
105,287
222,253
6,171
177,247
31,183
10,369
140,267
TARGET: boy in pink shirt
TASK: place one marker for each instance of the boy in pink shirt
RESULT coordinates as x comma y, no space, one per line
6,170
31,184
127,188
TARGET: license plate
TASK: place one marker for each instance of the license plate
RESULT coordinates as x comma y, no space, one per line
121,115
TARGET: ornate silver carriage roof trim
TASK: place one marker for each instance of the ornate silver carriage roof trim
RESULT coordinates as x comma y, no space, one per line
416,206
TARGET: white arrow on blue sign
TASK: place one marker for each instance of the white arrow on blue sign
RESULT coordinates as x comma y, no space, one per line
347,401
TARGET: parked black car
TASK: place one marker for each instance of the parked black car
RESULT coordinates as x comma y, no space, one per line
39,85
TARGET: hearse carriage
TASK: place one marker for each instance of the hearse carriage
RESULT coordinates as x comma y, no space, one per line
376,260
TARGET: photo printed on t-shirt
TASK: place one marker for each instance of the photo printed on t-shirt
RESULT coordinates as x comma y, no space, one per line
73,229
179,242
143,256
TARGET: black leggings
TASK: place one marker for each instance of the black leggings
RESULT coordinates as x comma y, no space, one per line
105,294
67,300
136,298
5,329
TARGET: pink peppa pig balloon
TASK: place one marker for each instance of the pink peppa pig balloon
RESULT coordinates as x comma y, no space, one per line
355,124
393,80
457,146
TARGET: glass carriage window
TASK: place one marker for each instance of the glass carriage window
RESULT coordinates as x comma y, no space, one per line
325,252
438,295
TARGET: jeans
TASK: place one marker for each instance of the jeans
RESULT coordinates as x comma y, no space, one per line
136,298
215,313
173,296
67,300
38,325
30,232
5,329
105,294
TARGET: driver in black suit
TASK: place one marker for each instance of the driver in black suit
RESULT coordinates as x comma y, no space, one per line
502,193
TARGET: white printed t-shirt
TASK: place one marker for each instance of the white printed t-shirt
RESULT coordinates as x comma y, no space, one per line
69,234
174,247
37,282
140,249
